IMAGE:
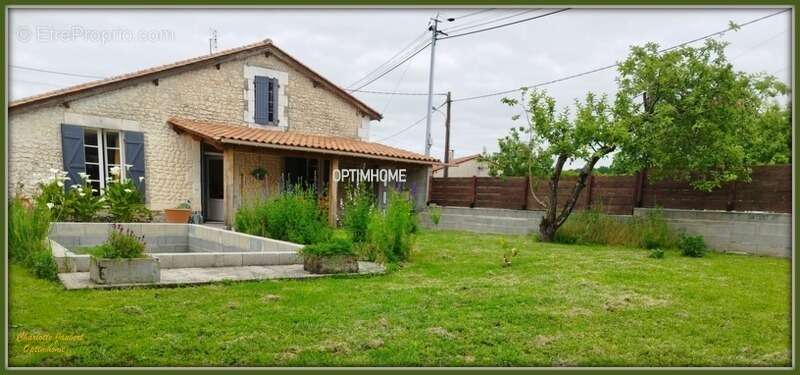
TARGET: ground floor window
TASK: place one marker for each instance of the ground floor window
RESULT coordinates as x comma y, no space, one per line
103,150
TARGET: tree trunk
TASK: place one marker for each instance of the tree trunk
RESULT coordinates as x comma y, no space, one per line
547,227
550,222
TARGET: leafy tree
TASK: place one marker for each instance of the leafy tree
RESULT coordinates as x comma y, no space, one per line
682,113
695,114
554,138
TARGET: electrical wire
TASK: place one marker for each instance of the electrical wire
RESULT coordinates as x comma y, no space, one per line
55,72
468,26
393,67
397,93
387,62
503,25
412,125
572,76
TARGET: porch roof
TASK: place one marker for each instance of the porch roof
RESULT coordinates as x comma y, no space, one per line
221,134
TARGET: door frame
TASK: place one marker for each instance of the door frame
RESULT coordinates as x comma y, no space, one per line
207,150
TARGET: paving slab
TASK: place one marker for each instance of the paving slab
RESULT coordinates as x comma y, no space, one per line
193,276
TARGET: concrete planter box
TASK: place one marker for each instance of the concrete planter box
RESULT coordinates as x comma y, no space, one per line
330,264
124,271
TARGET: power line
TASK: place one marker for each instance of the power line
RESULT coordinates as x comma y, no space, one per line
616,64
504,25
473,13
393,67
396,93
55,72
759,44
410,126
387,62
468,26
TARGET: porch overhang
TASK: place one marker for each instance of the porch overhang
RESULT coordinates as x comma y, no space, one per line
224,135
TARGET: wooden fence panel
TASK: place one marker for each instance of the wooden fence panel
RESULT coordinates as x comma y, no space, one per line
769,190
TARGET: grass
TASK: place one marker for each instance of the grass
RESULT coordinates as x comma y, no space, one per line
452,304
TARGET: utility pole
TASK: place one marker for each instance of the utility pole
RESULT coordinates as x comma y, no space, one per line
434,28
447,136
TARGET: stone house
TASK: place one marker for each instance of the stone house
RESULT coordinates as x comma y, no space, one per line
218,130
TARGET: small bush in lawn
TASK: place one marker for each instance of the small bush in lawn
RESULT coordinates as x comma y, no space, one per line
435,213
656,253
336,246
391,231
358,207
43,264
121,244
595,227
692,246
252,219
295,216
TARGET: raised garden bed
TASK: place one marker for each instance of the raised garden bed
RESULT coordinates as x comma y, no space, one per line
124,271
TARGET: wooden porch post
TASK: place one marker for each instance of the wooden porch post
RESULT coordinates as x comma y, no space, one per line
229,185
333,193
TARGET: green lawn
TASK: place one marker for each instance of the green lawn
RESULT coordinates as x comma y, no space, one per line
453,304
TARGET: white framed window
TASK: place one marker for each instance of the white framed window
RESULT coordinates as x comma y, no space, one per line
103,150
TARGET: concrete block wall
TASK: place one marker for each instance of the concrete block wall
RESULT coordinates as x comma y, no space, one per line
158,237
484,220
759,233
175,245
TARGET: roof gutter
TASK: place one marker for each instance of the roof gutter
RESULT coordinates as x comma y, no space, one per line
324,151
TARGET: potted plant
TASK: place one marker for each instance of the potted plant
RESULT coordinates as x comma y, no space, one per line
335,256
179,214
122,260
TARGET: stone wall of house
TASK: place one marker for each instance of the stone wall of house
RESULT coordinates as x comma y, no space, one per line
172,161
251,188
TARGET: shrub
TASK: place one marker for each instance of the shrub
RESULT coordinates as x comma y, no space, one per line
28,225
252,219
51,194
692,246
292,216
43,265
337,246
122,243
435,213
656,253
358,206
391,231
595,227
84,204
125,201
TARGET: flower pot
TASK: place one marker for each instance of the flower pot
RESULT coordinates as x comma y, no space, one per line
321,264
177,215
124,271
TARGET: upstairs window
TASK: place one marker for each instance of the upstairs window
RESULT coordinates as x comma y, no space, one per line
266,100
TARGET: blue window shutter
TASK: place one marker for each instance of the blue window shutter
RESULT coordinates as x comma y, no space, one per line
72,152
134,155
261,95
274,93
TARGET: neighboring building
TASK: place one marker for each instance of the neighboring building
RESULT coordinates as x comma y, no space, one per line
196,129
465,166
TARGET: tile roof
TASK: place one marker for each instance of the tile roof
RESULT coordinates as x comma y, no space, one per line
115,82
456,161
224,133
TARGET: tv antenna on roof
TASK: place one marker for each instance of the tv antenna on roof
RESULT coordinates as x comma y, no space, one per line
212,41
